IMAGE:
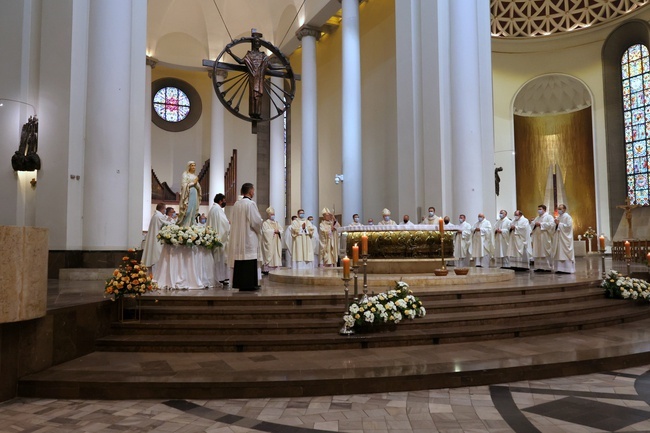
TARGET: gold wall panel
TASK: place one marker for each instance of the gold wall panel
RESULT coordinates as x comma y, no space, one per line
563,139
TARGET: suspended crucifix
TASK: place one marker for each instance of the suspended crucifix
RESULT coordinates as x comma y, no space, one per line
249,75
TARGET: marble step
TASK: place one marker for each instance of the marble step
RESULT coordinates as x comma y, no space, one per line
403,335
87,274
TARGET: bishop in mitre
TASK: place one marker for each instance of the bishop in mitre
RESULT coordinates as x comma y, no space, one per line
502,238
386,221
329,239
462,240
218,221
543,228
153,248
482,242
271,242
519,242
302,249
564,260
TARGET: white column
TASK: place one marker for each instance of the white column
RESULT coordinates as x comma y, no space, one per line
277,173
217,145
471,110
351,111
146,171
309,180
113,184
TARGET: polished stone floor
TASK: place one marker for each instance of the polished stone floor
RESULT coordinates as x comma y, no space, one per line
605,402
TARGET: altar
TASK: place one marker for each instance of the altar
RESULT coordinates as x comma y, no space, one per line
185,267
400,242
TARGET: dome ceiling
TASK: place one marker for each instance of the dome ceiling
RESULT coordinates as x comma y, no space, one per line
551,94
532,18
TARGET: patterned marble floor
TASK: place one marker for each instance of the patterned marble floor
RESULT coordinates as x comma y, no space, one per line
611,401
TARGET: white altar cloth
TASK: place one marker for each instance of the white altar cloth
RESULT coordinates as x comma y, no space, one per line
183,267
395,228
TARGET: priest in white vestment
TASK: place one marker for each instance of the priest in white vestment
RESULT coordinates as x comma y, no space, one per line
315,241
462,240
153,248
482,245
355,220
218,221
386,221
244,241
501,239
288,241
543,228
519,242
271,242
329,239
406,221
431,218
302,248
564,260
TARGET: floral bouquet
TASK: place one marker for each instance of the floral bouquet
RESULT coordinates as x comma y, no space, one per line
590,233
620,287
390,307
131,278
173,234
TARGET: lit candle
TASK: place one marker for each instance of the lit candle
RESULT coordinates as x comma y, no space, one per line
628,249
346,267
442,225
355,255
648,257
364,244
601,242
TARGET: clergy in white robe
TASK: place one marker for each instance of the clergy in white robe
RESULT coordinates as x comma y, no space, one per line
288,242
482,246
543,228
406,221
462,240
302,248
243,248
329,239
153,248
501,239
218,221
315,241
356,221
431,218
271,242
564,260
385,220
519,242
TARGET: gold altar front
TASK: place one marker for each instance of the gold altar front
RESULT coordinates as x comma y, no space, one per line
400,244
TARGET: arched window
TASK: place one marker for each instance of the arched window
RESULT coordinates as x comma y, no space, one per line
171,104
635,75
176,104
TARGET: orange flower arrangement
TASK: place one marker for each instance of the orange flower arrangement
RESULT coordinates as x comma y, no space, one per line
131,278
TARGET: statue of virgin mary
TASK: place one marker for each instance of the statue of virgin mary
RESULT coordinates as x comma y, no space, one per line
190,196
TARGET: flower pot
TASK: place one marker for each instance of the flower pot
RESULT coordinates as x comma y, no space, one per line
440,272
461,271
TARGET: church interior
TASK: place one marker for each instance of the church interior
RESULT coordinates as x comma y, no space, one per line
363,107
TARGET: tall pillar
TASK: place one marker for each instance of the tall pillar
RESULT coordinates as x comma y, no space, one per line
277,173
351,110
217,146
146,171
309,180
114,151
471,123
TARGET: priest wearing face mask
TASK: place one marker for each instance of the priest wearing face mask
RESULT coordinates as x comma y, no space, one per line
431,218
543,228
564,261
482,242
386,221
519,242
462,240
218,220
302,248
406,221
356,221
329,239
271,242
501,239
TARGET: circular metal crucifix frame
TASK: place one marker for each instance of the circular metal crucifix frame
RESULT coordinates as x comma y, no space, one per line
249,77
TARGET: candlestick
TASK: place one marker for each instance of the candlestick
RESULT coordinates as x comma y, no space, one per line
364,244
355,269
602,255
628,259
364,299
442,249
628,249
648,258
601,242
355,255
346,267
346,281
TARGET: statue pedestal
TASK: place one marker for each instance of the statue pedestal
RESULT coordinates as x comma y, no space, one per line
23,273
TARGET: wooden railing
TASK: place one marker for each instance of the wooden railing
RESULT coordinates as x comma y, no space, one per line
204,181
639,250
230,180
160,191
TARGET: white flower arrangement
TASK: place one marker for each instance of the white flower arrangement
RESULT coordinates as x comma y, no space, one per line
173,234
618,286
389,307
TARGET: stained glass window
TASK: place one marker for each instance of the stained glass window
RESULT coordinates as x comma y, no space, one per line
635,72
171,104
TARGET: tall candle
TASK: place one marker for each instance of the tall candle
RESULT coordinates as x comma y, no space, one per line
364,244
346,267
601,242
648,257
442,225
628,249
355,255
